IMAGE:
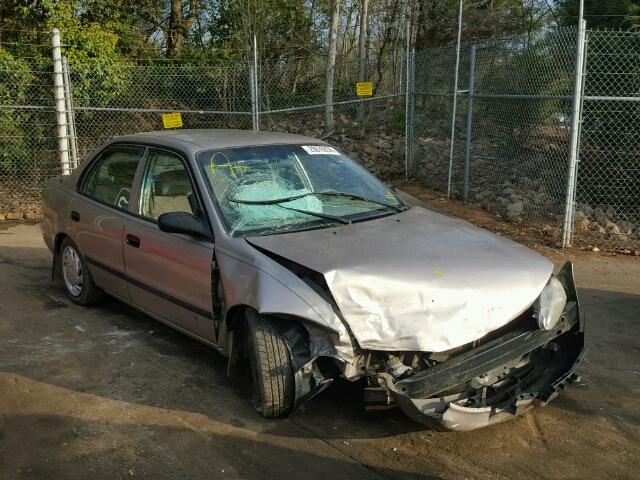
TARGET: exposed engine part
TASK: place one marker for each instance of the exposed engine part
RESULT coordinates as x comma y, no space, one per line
396,368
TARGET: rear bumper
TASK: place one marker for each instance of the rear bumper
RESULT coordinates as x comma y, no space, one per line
530,367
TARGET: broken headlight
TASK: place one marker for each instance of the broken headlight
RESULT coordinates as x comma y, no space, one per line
550,304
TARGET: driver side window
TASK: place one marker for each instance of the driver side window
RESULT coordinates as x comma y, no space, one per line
166,186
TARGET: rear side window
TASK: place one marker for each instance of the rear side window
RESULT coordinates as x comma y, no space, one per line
110,179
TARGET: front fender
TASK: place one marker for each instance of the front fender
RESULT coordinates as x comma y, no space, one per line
270,289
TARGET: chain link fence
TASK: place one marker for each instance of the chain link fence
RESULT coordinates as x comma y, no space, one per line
115,99
28,147
608,193
370,130
512,133
107,97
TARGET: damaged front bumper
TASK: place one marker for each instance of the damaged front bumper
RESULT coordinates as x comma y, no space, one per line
498,379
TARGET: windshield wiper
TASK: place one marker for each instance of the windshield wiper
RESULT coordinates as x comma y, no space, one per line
328,193
324,216
359,197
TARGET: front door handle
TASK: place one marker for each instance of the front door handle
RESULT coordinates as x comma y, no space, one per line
75,216
133,240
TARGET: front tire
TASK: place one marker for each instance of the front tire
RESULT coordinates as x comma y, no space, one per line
77,279
271,368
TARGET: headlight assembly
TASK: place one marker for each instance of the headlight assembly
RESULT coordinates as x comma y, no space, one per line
550,304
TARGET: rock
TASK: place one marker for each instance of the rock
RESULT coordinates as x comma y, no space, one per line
595,249
582,225
371,150
382,144
516,207
31,216
613,229
503,201
626,227
14,216
600,216
2,217
554,233
579,216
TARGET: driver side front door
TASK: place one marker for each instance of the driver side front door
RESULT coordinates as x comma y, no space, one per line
169,275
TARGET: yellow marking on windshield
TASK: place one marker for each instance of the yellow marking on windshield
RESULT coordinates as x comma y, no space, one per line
233,169
438,272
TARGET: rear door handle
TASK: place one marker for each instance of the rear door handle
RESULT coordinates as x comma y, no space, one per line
75,216
133,240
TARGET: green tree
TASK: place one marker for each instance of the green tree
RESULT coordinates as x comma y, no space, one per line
609,14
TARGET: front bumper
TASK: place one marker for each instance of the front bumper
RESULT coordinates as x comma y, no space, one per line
500,379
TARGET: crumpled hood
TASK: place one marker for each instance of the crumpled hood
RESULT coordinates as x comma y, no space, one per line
419,280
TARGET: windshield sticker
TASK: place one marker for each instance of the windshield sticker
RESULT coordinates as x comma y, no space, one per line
320,150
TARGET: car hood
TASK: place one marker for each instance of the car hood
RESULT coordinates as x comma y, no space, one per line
418,280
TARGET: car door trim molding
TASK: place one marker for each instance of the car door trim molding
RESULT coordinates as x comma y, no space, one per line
137,283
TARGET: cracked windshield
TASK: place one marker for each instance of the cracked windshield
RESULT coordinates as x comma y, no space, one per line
280,188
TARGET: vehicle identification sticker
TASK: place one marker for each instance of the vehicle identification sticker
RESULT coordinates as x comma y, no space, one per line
320,150
172,120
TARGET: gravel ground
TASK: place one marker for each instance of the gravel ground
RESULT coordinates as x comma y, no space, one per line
106,392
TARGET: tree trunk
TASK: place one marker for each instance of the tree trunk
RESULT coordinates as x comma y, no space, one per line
362,51
329,122
179,25
175,35
391,18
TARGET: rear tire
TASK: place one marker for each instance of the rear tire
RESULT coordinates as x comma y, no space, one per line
271,368
76,277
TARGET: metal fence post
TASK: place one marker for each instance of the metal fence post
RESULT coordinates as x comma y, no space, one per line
61,113
256,85
71,122
576,115
407,108
252,89
455,101
467,149
412,106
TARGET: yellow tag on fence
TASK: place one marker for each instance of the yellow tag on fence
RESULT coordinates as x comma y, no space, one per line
172,120
364,89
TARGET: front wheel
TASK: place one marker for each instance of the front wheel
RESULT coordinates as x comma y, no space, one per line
272,372
78,282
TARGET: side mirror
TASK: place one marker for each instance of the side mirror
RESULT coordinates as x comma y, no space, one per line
183,222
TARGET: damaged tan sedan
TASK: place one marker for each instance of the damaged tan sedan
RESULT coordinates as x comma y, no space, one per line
280,251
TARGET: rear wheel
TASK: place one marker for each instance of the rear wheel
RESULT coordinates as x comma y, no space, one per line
78,282
272,372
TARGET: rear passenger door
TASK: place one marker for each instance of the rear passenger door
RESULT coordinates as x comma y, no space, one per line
169,274
97,214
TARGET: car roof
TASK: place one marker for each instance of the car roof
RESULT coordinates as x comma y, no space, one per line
203,139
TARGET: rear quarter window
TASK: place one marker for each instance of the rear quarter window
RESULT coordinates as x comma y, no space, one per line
110,179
